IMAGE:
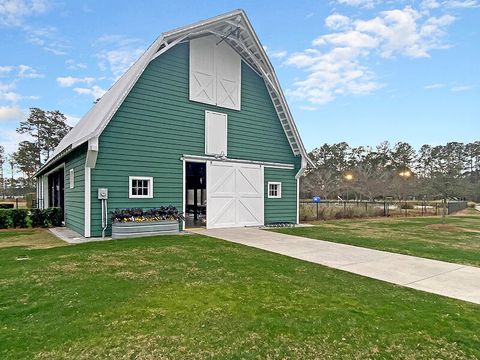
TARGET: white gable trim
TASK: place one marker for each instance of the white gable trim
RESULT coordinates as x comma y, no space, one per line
247,45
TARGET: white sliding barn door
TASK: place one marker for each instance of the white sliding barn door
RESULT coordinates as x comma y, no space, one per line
202,70
234,194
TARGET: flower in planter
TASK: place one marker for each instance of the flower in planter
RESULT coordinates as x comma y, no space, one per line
139,215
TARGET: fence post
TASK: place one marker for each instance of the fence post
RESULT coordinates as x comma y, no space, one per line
16,203
317,210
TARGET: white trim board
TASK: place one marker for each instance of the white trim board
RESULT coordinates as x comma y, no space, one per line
200,158
88,202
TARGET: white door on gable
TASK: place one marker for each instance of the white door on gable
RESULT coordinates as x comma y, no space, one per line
228,76
202,70
234,194
215,73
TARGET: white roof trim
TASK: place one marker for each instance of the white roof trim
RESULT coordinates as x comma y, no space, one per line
247,45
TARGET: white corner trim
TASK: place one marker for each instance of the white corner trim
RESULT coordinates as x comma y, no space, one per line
150,187
88,200
184,190
298,201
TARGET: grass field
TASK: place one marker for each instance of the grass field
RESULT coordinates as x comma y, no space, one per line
195,297
457,241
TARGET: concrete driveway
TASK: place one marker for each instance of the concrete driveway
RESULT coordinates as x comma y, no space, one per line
438,277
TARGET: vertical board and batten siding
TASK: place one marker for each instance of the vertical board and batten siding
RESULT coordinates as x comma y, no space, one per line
75,198
157,124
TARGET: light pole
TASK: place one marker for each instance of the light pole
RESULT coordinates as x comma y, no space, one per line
348,177
405,174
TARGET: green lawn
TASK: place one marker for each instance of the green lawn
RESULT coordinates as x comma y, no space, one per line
190,296
457,241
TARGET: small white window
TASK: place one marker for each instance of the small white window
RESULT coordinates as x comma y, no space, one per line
274,190
72,178
140,187
215,133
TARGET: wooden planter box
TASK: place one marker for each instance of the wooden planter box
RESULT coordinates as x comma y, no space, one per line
147,228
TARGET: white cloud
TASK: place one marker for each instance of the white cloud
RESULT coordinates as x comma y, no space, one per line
308,108
68,81
403,32
15,97
461,88
360,3
25,71
73,65
4,70
337,63
11,113
95,91
429,4
118,53
337,22
48,38
275,54
459,4
14,12
434,86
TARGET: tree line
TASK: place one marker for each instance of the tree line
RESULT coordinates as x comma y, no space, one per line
394,171
45,129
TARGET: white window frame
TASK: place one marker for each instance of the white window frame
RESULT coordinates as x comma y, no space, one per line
279,190
150,187
71,178
207,134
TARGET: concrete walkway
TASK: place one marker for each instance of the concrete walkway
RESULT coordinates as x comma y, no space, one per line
438,277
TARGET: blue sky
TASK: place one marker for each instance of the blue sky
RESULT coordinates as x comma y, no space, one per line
360,71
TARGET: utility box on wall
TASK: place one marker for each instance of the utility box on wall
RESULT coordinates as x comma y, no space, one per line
102,194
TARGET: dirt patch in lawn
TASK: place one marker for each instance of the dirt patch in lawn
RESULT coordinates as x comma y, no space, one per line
29,238
444,227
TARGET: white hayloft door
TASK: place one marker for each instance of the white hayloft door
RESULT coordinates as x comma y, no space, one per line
234,194
215,133
215,73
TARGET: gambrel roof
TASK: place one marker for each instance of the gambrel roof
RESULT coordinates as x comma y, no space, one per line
235,29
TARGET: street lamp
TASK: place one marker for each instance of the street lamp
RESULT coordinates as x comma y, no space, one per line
405,174
348,177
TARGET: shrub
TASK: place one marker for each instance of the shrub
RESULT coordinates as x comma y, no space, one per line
471,204
406,206
54,216
5,219
19,217
6,206
38,218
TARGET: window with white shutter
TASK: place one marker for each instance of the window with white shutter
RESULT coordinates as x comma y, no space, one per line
215,73
215,133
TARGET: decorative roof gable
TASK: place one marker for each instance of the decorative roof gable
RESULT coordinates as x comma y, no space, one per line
233,28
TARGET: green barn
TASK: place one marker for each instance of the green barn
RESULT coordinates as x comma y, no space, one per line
199,122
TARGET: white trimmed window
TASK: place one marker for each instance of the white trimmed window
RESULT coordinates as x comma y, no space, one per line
140,187
71,178
274,190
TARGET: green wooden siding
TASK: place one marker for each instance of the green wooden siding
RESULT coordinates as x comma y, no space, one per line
75,198
285,208
157,124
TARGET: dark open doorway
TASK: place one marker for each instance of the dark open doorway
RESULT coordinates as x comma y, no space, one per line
56,190
195,194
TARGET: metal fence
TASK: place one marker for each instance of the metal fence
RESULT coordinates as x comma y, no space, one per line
454,206
331,209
